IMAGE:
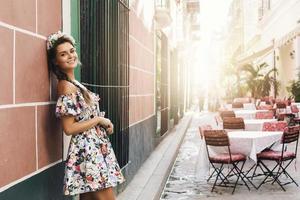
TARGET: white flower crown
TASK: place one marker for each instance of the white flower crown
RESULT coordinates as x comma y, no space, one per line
51,40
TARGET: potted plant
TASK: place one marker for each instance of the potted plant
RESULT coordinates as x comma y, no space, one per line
259,79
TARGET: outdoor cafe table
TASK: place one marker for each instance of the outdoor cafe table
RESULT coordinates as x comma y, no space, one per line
246,106
297,104
256,124
247,114
252,142
248,143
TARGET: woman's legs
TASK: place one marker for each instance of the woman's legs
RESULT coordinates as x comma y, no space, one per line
86,196
104,194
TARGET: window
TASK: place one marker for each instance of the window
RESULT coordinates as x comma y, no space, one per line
162,84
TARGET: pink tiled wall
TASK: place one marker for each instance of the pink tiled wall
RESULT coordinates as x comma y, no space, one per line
31,136
142,66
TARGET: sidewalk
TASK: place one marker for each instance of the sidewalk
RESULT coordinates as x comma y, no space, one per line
150,180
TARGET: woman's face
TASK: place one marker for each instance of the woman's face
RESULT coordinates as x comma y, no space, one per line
66,56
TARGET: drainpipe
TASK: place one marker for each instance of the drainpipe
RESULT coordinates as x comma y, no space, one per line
274,67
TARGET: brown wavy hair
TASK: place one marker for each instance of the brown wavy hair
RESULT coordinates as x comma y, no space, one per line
60,75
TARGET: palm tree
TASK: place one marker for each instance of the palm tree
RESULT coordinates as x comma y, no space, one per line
233,82
294,89
259,79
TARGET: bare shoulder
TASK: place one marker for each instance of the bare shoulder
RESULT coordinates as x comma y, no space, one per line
65,87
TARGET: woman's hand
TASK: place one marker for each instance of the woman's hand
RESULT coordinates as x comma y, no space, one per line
110,129
106,123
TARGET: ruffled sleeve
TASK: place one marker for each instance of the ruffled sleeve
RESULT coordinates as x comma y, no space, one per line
70,104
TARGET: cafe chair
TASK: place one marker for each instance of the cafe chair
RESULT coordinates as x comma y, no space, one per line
233,123
202,128
219,138
237,105
227,113
281,158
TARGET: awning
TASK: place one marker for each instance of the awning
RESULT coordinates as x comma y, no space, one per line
255,55
289,37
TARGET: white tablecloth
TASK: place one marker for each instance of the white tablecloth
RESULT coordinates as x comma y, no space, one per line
297,104
247,142
252,142
256,124
249,106
247,114
262,103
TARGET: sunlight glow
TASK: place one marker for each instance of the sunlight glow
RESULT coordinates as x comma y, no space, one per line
144,10
207,64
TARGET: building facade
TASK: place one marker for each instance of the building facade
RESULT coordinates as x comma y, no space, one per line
270,34
31,137
129,57
280,24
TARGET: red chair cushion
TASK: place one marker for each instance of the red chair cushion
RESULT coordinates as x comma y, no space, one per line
264,107
294,109
296,119
225,158
275,155
274,126
264,115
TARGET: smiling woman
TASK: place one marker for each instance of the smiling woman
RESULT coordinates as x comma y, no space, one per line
91,166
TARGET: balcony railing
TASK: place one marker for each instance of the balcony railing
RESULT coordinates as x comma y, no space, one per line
162,3
162,13
193,6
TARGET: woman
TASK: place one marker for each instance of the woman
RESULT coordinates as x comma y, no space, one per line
91,166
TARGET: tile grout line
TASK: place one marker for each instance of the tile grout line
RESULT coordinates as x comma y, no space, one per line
14,67
36,140
36,16
29,176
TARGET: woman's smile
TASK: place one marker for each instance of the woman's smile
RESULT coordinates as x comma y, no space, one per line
66,56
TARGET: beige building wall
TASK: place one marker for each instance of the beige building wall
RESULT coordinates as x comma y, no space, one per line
287,70
277,24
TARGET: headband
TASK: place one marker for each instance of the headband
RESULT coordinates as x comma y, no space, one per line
51,40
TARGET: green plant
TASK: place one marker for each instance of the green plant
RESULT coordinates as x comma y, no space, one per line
294,89
233,83
259,79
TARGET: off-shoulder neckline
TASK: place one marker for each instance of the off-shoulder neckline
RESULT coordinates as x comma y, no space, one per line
78,92
71,93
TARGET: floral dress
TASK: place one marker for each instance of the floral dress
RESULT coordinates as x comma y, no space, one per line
91,164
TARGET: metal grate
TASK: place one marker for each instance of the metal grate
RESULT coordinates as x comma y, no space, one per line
104,36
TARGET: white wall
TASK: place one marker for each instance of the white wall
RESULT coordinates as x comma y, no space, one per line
281,20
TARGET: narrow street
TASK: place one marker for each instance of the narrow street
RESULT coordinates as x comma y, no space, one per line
123,87
188,176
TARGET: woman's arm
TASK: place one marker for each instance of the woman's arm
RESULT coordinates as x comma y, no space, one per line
69,124
71,127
